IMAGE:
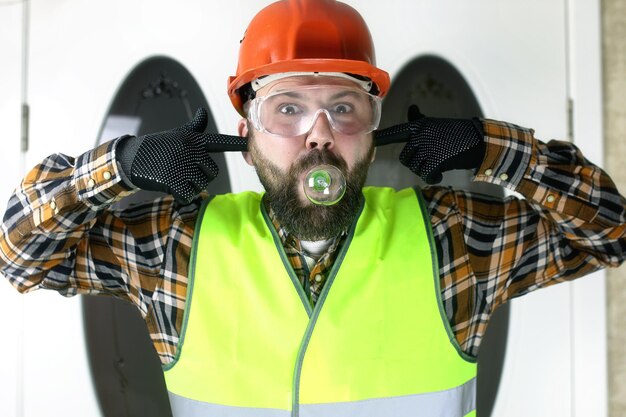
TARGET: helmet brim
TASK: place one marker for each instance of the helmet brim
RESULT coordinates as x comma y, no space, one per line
379,77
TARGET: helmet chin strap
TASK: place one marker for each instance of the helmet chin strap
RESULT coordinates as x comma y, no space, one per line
266,79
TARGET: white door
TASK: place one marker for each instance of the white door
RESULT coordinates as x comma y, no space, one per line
10,161
524,61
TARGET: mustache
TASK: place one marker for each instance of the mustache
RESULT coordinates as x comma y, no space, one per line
318,157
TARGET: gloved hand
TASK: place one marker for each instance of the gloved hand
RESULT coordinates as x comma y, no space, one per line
435,145
176,161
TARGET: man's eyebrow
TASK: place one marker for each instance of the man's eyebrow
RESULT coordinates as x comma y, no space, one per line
344,93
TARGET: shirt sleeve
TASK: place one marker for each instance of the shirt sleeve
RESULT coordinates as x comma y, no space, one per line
567,221
59,232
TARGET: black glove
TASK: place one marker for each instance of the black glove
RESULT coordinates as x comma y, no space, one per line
176,161
435,145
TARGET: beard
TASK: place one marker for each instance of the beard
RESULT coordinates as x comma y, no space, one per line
306,220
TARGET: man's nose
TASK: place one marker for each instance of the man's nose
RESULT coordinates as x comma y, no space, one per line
321,134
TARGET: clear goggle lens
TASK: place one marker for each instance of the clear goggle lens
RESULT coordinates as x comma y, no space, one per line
293,112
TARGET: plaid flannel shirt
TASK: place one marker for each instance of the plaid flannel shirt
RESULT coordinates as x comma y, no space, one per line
59,232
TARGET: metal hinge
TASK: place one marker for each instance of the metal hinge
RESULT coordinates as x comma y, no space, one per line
570,119
25,123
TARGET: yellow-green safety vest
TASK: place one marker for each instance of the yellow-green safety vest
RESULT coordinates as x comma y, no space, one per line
376,344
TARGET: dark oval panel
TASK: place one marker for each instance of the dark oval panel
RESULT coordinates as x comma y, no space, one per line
158,94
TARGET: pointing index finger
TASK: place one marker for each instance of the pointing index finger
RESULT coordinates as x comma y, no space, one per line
394,134
216,142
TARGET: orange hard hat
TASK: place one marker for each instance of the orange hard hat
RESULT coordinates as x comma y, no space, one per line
306,36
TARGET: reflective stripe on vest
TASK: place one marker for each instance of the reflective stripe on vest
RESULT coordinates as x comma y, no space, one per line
455,402
376,340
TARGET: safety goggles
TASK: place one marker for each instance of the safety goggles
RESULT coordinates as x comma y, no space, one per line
293,112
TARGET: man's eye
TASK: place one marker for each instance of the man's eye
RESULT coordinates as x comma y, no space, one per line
289,109
342,108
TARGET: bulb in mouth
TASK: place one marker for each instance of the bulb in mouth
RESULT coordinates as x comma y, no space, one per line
324,185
